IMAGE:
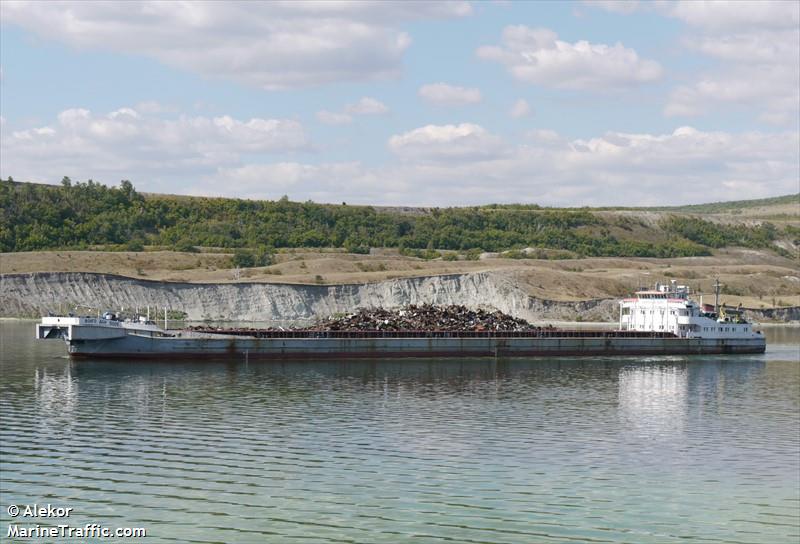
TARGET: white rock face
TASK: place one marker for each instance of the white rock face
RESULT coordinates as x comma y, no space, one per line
33,295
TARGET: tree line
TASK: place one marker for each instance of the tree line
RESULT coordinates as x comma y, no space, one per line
90,215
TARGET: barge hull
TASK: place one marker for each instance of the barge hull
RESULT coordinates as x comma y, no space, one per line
219,346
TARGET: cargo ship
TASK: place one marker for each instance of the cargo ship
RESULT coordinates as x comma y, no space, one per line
658,321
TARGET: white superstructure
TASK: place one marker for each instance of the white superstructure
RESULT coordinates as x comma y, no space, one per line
73,328
667,308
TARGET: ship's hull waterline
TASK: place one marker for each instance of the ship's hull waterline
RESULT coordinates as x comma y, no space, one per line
221,346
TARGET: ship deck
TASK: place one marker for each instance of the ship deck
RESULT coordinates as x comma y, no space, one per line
535,333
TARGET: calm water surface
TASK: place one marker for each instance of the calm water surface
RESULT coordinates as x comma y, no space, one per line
662,449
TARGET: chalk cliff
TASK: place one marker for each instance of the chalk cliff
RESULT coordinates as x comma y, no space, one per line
32,295
36,294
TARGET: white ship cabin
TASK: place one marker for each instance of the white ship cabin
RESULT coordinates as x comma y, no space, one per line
667,308
108,326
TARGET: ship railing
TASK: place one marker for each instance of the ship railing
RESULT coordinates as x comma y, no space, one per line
538,333
98,321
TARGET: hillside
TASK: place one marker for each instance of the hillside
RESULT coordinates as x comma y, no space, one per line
92,216
78,238
753,206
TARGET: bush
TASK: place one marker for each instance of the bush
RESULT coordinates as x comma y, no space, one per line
360,250
515,254
474,254
263,256
184,246
716,235
134,245
427,254
243,259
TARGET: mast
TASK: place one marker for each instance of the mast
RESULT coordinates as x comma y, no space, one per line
716,296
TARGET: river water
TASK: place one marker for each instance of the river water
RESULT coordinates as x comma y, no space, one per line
661,449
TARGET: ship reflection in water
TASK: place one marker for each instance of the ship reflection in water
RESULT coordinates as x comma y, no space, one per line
653,399
661,450
56,394
659,398
653,394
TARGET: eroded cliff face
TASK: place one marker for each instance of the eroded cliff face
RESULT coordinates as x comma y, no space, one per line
33,295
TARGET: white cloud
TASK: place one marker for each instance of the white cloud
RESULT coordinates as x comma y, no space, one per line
747,48
521,108
127,144
333,118
449,95
536,55
272,45
731,15
367,106
464,142
714,15
327,182
625,7
757,45
771,89
683,166
759,70
437,165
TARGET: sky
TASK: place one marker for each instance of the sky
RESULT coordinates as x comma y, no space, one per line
407,104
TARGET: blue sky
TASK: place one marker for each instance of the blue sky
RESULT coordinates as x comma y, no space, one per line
451,103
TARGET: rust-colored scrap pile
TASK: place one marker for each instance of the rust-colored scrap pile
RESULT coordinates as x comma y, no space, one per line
426,317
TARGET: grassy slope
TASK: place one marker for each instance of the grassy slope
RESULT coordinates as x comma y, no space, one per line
737,205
